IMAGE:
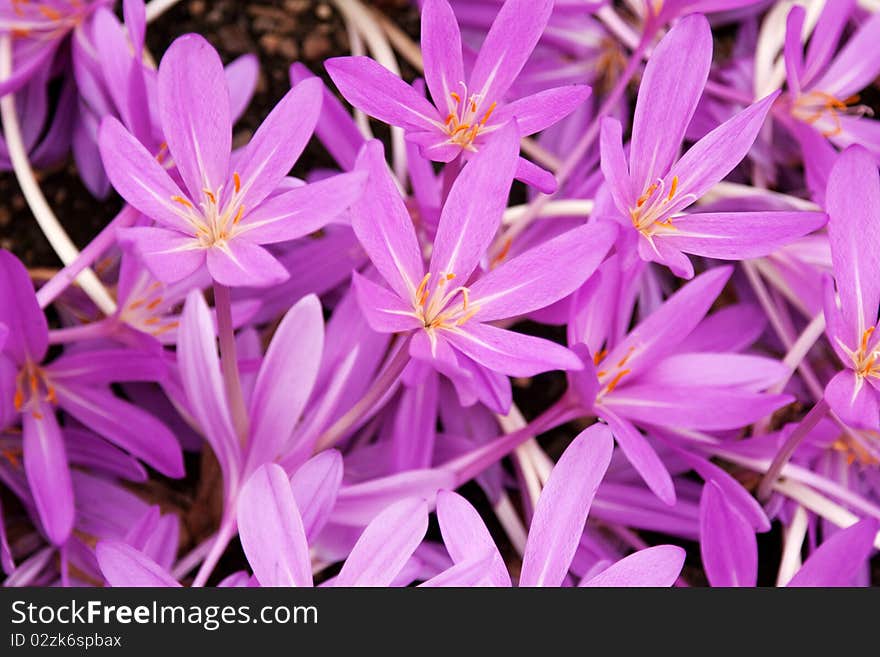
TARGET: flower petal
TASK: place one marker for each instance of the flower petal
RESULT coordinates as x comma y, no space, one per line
48,474
122,565
27,333
657,566
838,560
441,50
562,509
727,541
315,486
194,111
271,530
386,545
240,262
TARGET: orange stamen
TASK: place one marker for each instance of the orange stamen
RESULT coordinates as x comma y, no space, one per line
183,201
611,386
238,215
237,180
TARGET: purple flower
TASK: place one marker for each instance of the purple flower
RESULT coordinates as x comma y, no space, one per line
77,382
467,111
853,201
652,190
674,369
232,205
555,532
447,309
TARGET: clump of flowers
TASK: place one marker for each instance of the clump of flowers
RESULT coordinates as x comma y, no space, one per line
682,285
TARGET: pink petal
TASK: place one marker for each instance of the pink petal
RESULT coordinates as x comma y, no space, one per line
562,509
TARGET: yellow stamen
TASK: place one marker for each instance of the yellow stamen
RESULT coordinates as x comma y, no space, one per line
488,113
673,188
210,196
238,215
611,386
455,97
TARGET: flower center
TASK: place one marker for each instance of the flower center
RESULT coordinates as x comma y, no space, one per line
862,447
143,310
823,110
32,386
445,306
611,376
653,209
213,224
463,123
44,20
865,361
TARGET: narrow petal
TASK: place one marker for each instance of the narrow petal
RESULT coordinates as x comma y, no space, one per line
511,353
657,566
853,400
542,275
473,209
642,456
374,89
541,110
668,94
853,199
694,407
614,166
384,311
48,475
741,235
242,75
466,537
241,262
315,486
271,530
858,62
140,179
170,256
838,560
278,143
717,370
285,380
103,366
124,424
200,374
715,155
303,210
122,565
562,509
386,545
441,50
383,226
727,541
508,45
194,111
27,334
671,323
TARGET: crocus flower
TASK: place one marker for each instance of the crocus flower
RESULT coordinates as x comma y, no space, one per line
230,207
78,383
853,201
669,371
824,85
652,190
444,309
555,531
37,29
467,111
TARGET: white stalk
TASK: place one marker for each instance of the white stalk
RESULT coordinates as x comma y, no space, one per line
567,208
380,48
48,222
510,521
795,533
820,505
156,8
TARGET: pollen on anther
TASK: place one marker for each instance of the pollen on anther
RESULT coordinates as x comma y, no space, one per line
236,179
183,201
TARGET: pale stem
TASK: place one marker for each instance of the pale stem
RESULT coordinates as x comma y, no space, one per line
799,350
820,505
224,535
565,208
618,27
46,219
725,189
229,360
511,523
156,8
368,403
193,558
380,48
811,419
795,533
101,243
